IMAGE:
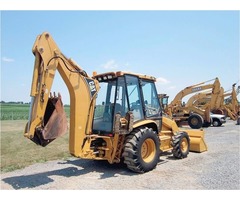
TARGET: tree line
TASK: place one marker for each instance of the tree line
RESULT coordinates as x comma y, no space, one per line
13,102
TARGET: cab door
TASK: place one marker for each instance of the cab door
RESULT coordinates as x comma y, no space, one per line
134,97
151,104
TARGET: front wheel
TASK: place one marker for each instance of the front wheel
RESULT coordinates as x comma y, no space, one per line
142,150
181,145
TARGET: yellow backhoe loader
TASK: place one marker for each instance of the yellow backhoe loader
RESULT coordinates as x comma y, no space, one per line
113,116
196,116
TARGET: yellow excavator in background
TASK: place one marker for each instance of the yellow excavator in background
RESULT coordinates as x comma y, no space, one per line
203,101
228,107
230,104
199,99
195,116
113,116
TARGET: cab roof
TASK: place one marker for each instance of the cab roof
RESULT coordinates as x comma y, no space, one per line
111,75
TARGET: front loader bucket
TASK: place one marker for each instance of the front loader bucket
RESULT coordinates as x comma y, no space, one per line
197,142
55,122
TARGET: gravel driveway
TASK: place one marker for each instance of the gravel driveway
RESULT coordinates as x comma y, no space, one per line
218,168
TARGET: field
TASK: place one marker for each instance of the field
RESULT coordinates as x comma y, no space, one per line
14,111
10,111
18,152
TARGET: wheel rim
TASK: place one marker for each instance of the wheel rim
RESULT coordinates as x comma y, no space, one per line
148,150
215,123
184,145
194,121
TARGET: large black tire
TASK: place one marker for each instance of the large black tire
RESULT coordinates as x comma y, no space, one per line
195,121
181,145
141,150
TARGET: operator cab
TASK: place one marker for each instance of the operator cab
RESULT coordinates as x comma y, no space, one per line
163,100
120,93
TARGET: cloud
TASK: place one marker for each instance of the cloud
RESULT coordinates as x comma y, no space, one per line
5,59
111,64
162,80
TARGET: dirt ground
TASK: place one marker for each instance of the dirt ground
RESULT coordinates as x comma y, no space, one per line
216,169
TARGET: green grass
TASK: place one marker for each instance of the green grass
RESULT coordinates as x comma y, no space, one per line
18,152
19,111
14,111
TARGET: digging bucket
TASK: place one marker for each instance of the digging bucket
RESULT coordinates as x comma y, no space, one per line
55,122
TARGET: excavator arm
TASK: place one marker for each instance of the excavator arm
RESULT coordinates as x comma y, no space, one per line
176,105
199,99
193,89
230,104
47,119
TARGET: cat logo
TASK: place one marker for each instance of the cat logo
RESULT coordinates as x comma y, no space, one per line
92,86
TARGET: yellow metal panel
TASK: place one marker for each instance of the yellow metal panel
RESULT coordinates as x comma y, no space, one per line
197,142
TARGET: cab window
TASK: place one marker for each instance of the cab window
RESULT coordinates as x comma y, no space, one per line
151,101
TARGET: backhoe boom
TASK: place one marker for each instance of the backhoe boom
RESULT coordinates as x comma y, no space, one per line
82,90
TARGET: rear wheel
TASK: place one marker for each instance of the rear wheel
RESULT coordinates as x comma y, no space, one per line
141,150
181,145
195,121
